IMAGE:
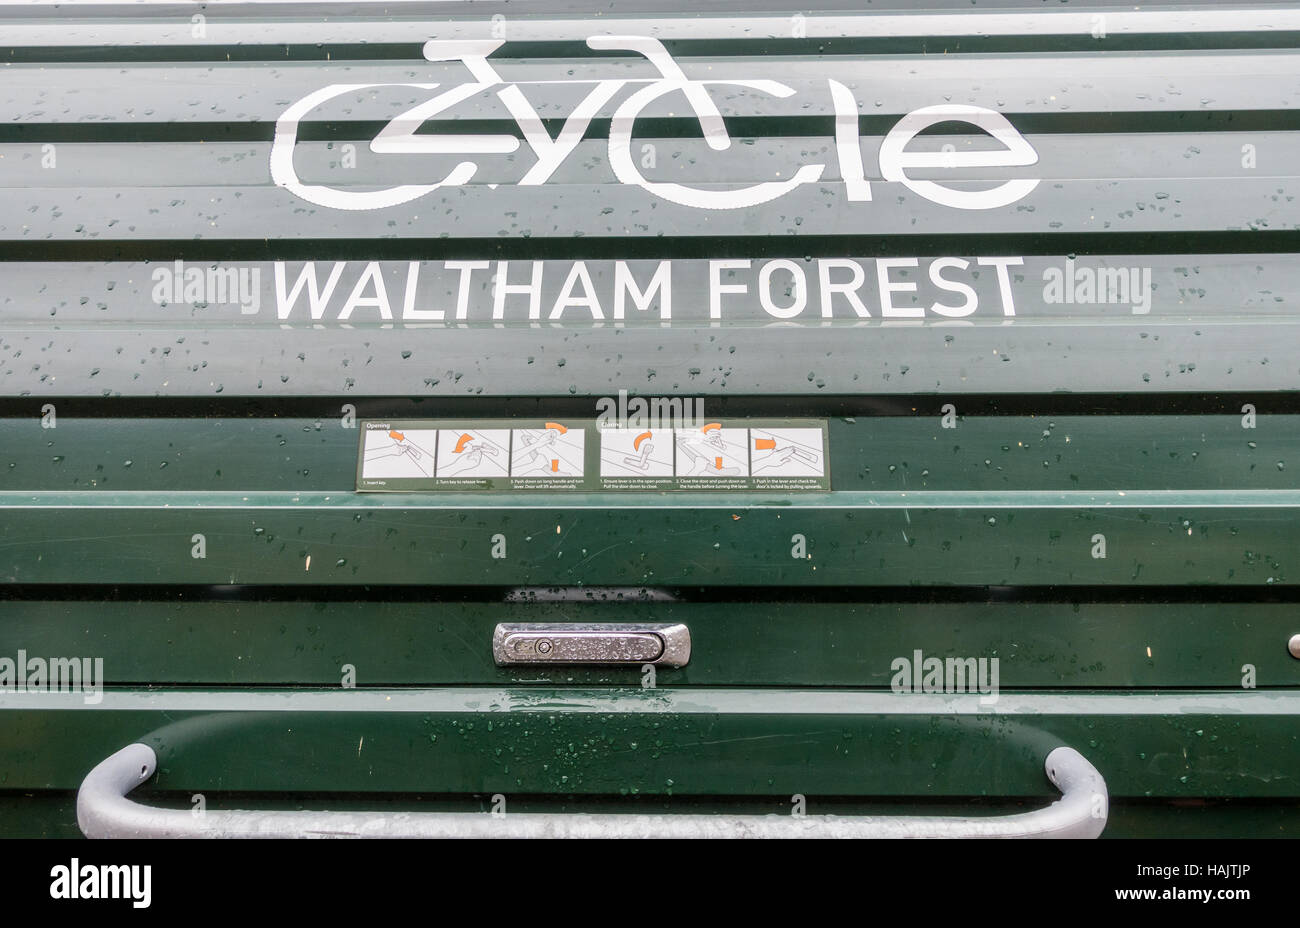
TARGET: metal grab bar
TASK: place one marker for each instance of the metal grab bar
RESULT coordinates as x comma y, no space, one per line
104,811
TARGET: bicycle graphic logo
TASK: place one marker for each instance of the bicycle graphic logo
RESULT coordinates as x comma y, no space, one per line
400,136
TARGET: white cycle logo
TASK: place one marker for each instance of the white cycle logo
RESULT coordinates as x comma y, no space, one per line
400,136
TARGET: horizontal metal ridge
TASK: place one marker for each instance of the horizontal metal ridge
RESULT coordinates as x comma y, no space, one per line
720,701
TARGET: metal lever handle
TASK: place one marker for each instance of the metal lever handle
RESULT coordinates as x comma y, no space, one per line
103,811
580,643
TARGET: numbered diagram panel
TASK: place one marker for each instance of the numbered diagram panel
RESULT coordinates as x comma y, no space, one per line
780,452
636,452
473,453
712,452
399,454
551,452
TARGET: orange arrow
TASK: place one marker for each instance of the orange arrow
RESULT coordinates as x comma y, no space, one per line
764,444
711,426
397,436
717,462
555,465
636,442
460,443
559,428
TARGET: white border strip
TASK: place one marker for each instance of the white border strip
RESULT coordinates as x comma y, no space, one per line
68,32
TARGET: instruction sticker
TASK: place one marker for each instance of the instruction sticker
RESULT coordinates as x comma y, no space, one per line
585,455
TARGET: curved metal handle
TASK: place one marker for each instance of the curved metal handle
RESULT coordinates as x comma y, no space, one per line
103,811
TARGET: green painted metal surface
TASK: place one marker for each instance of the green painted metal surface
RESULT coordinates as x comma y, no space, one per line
804,643
1008,538
705,741
868,452
1063,428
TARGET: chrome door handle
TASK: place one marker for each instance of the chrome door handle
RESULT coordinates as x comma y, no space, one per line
103,811
668,645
